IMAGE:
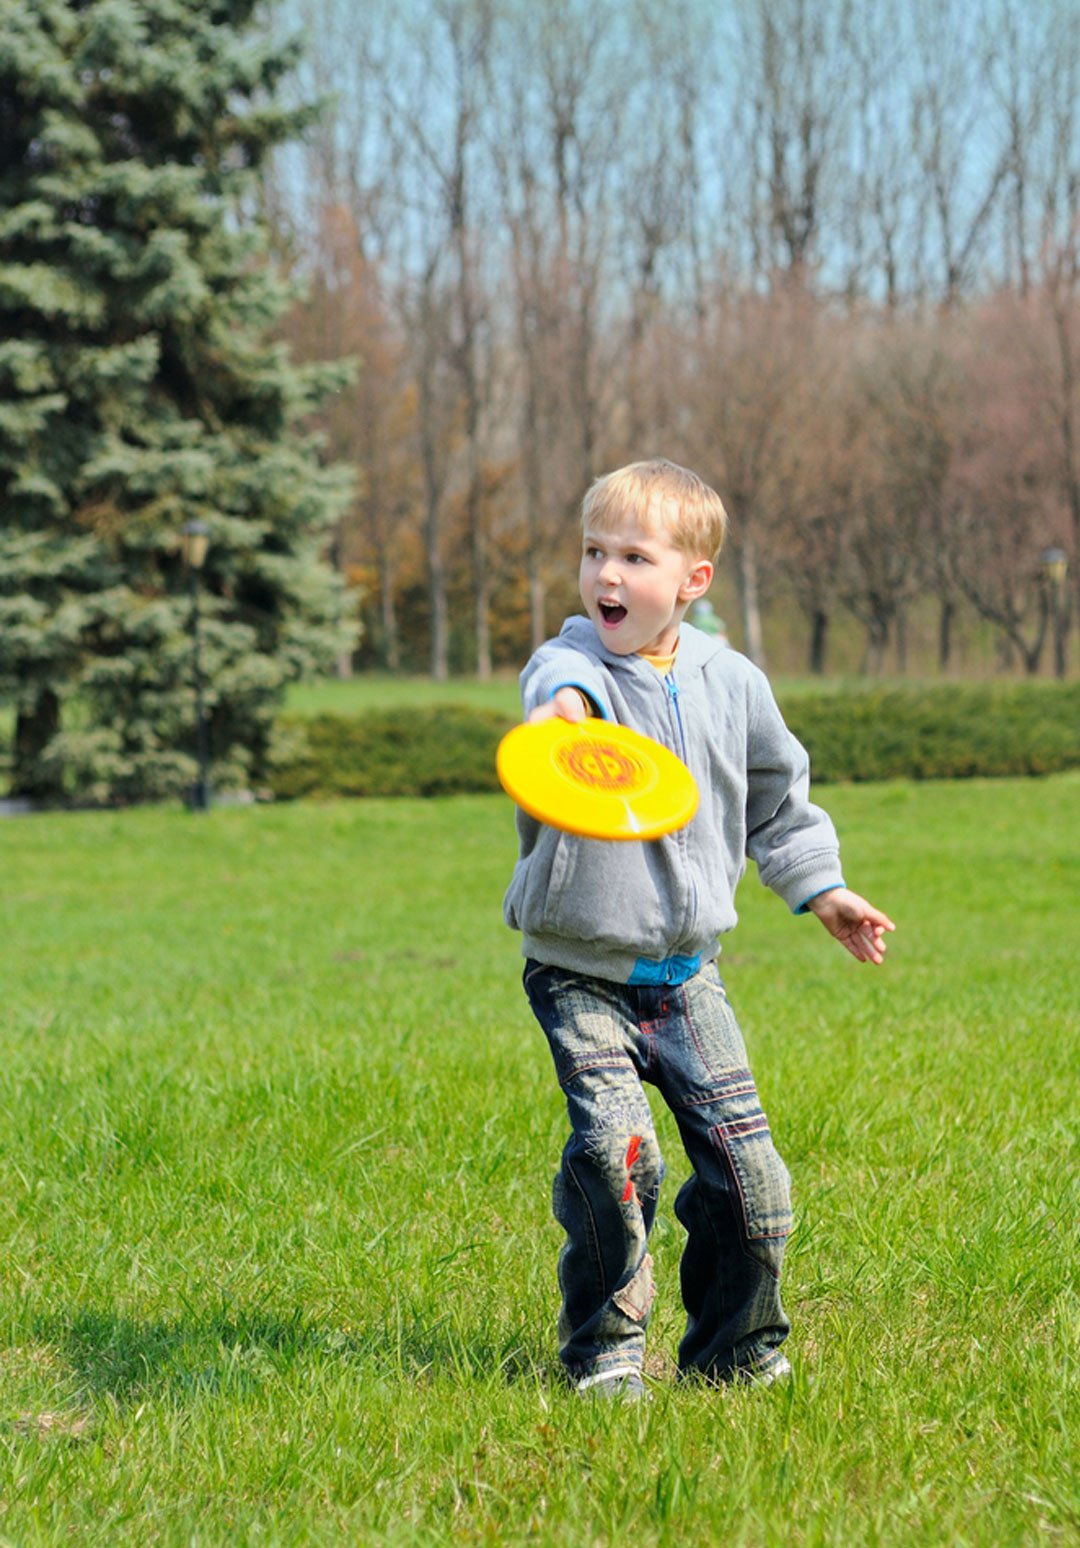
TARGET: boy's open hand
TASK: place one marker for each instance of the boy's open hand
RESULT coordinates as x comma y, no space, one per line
856,924
566,703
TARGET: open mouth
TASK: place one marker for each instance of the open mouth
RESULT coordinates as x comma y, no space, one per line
612,613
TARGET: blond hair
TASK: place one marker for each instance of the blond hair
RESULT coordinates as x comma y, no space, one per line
659,494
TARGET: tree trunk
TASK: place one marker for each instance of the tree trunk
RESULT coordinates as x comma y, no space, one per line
1031,655
746,572
819,639
900,632
440,627
34,730
482,602
533,519
945,633
343,664
391,649
433,546
537,604
877,637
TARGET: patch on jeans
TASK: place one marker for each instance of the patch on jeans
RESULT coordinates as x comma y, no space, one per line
633,1150
619,1139
637,1295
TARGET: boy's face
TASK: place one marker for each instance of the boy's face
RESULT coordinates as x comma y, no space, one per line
636,586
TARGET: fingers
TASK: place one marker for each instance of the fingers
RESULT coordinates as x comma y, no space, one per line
856,924
858,908
566,703
867,943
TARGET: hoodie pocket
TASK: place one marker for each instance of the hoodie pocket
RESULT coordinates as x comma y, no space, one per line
612,894
532,898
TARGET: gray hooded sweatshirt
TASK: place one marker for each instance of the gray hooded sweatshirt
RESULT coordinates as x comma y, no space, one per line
650,911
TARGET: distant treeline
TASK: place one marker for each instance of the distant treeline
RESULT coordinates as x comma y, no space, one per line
827,254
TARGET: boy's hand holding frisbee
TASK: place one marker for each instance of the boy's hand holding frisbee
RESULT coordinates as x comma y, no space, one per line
570,800
591,777
565,704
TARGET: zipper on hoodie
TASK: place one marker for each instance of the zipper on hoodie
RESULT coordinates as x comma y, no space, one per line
673,696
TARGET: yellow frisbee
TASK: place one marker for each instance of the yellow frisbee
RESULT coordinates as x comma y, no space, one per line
597,779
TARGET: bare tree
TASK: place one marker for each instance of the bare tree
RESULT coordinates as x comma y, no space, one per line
437,421
792,93
657,201
815,493
879,218
369,421
961,147
556,134
469,27
1041,334
897,455
1003,481
749,236
438,145
916,411
748,382
1057,161
795,67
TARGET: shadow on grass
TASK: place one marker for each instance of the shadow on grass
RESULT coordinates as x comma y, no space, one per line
235,1353
127,1360
418,1349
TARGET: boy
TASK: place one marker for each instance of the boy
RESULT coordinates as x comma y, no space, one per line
620,941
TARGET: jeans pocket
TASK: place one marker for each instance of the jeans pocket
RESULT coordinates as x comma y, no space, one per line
761,1179
577,1018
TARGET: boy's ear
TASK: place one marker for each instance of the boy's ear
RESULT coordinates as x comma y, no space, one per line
697,582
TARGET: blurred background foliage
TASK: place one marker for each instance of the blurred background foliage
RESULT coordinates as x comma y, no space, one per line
374,292
824,253
143,391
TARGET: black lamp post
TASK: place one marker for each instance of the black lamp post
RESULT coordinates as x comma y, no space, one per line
196,542
1055,565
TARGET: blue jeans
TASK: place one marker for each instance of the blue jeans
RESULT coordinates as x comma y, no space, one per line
606,1040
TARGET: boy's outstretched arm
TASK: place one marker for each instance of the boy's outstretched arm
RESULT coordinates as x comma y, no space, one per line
856,924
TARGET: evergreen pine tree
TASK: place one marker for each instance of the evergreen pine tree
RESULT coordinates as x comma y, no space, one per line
139,390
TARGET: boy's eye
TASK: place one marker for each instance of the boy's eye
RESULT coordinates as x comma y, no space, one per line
632,557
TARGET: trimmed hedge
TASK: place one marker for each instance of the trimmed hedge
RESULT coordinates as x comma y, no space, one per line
948,731
433,751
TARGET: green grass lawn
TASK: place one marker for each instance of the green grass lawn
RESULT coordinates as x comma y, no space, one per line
277,1137
376,691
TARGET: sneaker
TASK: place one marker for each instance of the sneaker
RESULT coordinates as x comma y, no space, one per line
778,1369
619,1381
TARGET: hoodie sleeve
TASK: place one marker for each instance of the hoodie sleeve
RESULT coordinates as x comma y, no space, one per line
792,842
556,666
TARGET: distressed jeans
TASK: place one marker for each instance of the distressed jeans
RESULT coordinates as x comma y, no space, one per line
606,1040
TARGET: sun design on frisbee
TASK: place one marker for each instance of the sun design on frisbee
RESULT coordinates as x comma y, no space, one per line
601,766
597,780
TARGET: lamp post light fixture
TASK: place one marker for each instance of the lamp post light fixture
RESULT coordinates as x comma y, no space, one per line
1055,566
196,540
